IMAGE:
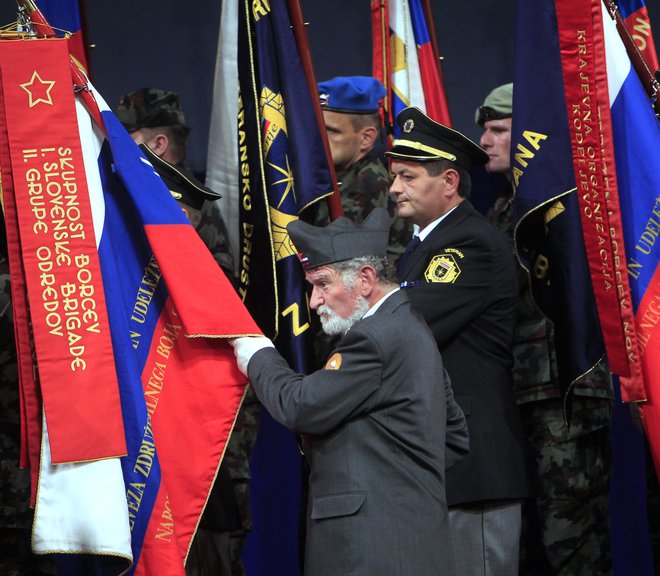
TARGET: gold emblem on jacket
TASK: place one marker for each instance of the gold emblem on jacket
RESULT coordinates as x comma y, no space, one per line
334,362
442,268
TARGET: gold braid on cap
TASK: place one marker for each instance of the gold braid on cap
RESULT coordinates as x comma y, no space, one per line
424,148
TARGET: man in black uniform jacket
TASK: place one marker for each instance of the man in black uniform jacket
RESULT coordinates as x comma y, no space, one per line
459,273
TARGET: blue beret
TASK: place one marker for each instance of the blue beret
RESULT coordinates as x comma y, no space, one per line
351,94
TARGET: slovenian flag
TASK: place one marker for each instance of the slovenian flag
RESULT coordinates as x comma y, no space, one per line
636,132
636,136
170,309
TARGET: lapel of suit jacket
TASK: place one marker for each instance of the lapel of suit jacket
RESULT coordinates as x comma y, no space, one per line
392,302
421,253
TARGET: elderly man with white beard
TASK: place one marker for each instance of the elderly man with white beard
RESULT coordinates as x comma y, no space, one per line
379,422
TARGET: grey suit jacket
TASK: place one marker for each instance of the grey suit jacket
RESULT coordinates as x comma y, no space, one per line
374,421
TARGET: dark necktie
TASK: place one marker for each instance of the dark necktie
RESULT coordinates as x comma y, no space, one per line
405,257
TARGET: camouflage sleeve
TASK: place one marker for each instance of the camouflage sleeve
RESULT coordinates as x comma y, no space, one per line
213,232
367,188
400,231
238,455
243,436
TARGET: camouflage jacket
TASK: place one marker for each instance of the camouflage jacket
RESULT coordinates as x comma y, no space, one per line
187,189
213,232
364,186
535,370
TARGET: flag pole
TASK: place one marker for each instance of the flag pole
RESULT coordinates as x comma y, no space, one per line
80,84
302,42
646,75
380,64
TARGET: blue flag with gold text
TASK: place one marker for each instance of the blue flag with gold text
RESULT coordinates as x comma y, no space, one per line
284,169
549,232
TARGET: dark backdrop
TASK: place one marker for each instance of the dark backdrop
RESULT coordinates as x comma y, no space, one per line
176,49
172,44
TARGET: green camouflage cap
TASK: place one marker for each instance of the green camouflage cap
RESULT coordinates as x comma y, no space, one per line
150,108
497,105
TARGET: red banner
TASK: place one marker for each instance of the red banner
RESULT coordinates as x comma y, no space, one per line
587,100
380,59
30,396
639,26
58,251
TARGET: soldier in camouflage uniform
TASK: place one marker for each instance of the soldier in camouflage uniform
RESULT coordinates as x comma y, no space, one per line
16,517
155,121
154,117
350,111
567,524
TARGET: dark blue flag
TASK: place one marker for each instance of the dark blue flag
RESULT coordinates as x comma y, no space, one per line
284,169
550,242
549,232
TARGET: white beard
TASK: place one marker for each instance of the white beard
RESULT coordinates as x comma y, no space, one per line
332,323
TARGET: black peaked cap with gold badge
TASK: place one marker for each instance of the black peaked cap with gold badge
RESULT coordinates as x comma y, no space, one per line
423,140
340,240
181,183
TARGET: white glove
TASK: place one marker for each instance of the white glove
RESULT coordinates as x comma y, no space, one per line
245,347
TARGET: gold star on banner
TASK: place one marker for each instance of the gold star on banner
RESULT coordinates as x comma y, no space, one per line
288,180
38,90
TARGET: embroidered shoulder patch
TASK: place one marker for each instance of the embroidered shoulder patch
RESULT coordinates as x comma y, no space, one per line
442,268
334,362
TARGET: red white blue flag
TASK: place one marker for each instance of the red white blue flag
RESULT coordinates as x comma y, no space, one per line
636,132
636,135
169,309
405,59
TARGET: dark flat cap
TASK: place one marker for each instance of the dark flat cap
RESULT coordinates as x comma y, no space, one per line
423,139
181,183
351,94
340,240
